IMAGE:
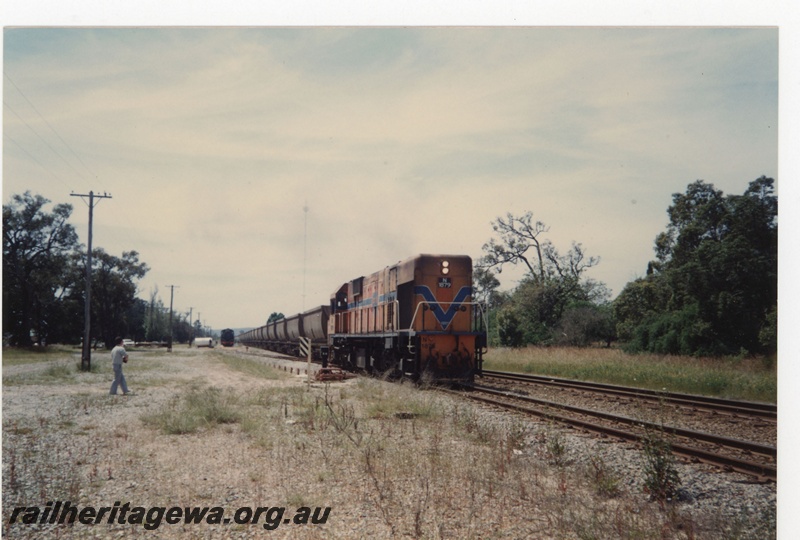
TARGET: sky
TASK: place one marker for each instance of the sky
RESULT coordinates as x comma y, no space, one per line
213,142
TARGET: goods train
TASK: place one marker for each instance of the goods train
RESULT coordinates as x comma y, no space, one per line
415,318
226,337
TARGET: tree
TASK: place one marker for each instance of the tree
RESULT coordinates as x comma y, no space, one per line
553,281
485,285
36,250
584,323
156,323
136,317
713,286
181,329
274,316
113,292
517,236
200,330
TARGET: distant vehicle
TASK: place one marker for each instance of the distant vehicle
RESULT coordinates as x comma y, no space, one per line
204,342
226,338
128,343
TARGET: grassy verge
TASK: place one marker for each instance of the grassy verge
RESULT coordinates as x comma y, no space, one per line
422,466
733,378
252,367
65,368
13,356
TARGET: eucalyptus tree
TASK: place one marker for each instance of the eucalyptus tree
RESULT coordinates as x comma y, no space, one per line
552,283
37,246
713,287
114,292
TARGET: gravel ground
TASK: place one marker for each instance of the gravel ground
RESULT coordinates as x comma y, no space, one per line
441,469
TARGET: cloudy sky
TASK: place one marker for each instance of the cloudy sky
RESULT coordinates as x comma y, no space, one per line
398,141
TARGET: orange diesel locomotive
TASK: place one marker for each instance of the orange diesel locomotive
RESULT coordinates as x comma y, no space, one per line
415,318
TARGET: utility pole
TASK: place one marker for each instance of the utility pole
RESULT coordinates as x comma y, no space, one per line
86,353
191,330
171,294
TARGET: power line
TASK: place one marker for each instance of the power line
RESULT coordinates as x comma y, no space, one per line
10,108
48,124
6,135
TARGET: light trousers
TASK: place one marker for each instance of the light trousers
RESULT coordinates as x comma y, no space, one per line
119,380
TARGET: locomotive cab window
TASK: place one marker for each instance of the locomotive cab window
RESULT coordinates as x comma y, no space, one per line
358,286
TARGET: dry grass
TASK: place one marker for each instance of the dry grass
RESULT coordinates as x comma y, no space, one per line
415,464
14,356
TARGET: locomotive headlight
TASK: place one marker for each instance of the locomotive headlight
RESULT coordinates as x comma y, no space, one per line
445,267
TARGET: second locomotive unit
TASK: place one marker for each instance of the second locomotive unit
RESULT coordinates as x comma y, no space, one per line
227,338
416,318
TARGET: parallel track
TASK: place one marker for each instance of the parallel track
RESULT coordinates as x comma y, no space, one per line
764,469
763,466
744,408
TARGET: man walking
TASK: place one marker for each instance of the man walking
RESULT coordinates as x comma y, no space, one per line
118,357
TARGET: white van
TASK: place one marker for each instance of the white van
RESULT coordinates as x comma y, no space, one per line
203,342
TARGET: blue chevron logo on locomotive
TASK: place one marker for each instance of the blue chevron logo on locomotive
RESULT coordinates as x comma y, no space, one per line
444,317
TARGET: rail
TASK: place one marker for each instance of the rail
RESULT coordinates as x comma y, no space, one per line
748,463
751,408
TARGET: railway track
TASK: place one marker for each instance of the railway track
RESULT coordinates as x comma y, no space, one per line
731,454
766,411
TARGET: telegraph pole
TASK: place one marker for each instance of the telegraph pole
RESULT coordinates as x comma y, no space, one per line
86,354
191,330
201,324
171,293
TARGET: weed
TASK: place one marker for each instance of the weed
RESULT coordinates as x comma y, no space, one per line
55,373
48,470
661,478
604,481
375,465
198,408
516,434
556,450
467,420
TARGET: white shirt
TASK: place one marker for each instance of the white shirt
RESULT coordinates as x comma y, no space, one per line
118,353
